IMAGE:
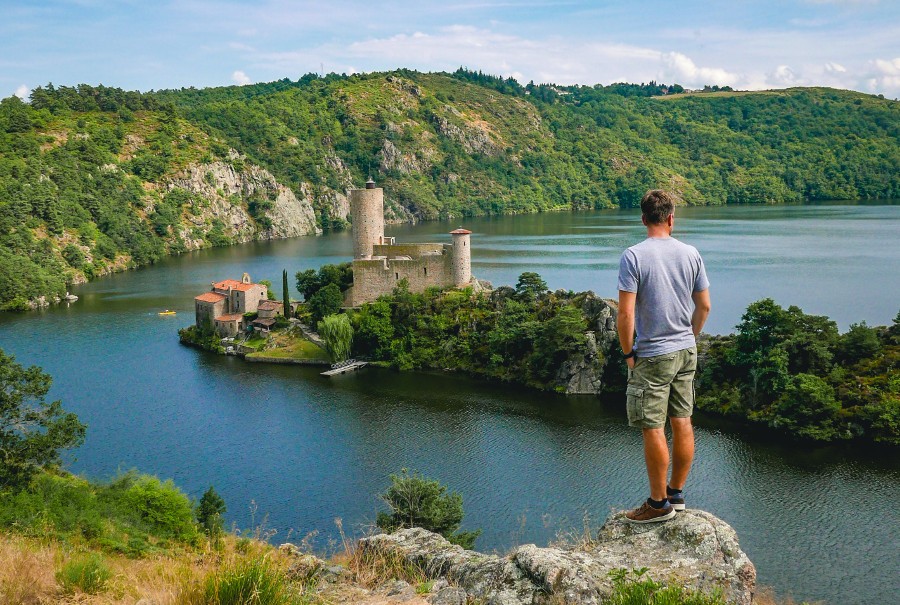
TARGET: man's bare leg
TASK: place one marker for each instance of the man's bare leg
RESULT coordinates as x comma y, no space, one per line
682,451
656,455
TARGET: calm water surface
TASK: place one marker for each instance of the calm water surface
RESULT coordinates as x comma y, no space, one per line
285,445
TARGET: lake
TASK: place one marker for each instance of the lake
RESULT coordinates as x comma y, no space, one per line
291,451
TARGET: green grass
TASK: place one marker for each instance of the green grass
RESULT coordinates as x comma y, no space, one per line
87,573
254,582
637,588
293,349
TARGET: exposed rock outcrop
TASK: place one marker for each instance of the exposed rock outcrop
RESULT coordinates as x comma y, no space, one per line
227,191
695,550
583,374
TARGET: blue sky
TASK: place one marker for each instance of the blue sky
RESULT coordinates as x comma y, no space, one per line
156,44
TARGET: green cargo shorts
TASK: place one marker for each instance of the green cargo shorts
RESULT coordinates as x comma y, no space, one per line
661,386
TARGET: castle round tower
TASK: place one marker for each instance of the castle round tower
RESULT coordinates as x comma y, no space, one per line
367,214
461,259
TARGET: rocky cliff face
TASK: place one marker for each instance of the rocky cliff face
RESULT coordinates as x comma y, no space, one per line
226,191
583,374
695,550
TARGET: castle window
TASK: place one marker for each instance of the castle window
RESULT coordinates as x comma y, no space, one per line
425,269
397,275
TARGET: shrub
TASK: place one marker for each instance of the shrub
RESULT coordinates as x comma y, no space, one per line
159,504
88,574
416,501
254,582
634,588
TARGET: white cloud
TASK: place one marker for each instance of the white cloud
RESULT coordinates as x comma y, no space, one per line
684,71
835,68
890,68
22,92
240,78
784,76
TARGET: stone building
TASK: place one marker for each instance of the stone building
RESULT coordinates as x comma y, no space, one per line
379,263
224,306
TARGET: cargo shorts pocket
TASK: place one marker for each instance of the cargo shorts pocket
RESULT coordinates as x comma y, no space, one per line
634,404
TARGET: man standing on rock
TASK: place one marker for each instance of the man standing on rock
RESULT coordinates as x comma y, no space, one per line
664,295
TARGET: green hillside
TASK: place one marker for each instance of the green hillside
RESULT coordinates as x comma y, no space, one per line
95,179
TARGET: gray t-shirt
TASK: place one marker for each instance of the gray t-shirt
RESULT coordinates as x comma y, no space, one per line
664,273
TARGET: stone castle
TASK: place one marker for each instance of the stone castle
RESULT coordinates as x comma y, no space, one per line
379,263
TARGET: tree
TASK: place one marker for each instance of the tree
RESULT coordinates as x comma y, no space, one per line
326,301
209,513
416,501
285,293
337,333
32,431
530,285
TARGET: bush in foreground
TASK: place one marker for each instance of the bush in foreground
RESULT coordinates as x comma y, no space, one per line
253,582
416,501
87,573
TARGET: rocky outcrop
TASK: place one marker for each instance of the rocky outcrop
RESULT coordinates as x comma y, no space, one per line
695,550
226,191
583,374
474,139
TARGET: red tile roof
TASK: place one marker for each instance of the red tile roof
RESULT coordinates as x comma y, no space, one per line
210,297
230,317
460,231
233,284
266,323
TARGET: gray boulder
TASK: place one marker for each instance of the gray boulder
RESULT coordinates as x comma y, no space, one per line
695,550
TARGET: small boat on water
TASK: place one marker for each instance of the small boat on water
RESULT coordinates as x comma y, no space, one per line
167,312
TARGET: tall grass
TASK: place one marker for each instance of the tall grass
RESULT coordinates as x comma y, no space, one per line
251,582
87,573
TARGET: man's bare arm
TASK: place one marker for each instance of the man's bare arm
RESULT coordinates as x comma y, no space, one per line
702,307
625,322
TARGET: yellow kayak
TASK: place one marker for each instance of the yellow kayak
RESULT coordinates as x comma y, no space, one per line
167,312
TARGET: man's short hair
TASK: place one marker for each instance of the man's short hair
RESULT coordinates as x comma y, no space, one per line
657,205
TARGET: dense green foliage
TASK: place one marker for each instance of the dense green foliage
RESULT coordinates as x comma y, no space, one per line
796,373
133,514
518,335
337,334
32,431
87,174
417,501
309,282
469,143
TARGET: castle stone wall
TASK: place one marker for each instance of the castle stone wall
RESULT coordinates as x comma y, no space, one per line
395,250
377,277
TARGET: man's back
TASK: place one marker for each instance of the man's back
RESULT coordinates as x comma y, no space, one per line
664,273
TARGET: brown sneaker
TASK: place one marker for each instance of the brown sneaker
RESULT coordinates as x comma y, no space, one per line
647,514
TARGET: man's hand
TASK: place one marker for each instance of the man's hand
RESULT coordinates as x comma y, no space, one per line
630,362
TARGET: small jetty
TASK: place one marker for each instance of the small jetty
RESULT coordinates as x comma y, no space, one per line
351,365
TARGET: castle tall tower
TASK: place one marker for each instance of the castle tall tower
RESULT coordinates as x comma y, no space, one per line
461,261
367,214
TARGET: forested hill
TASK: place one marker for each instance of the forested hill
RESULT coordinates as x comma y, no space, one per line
94,179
